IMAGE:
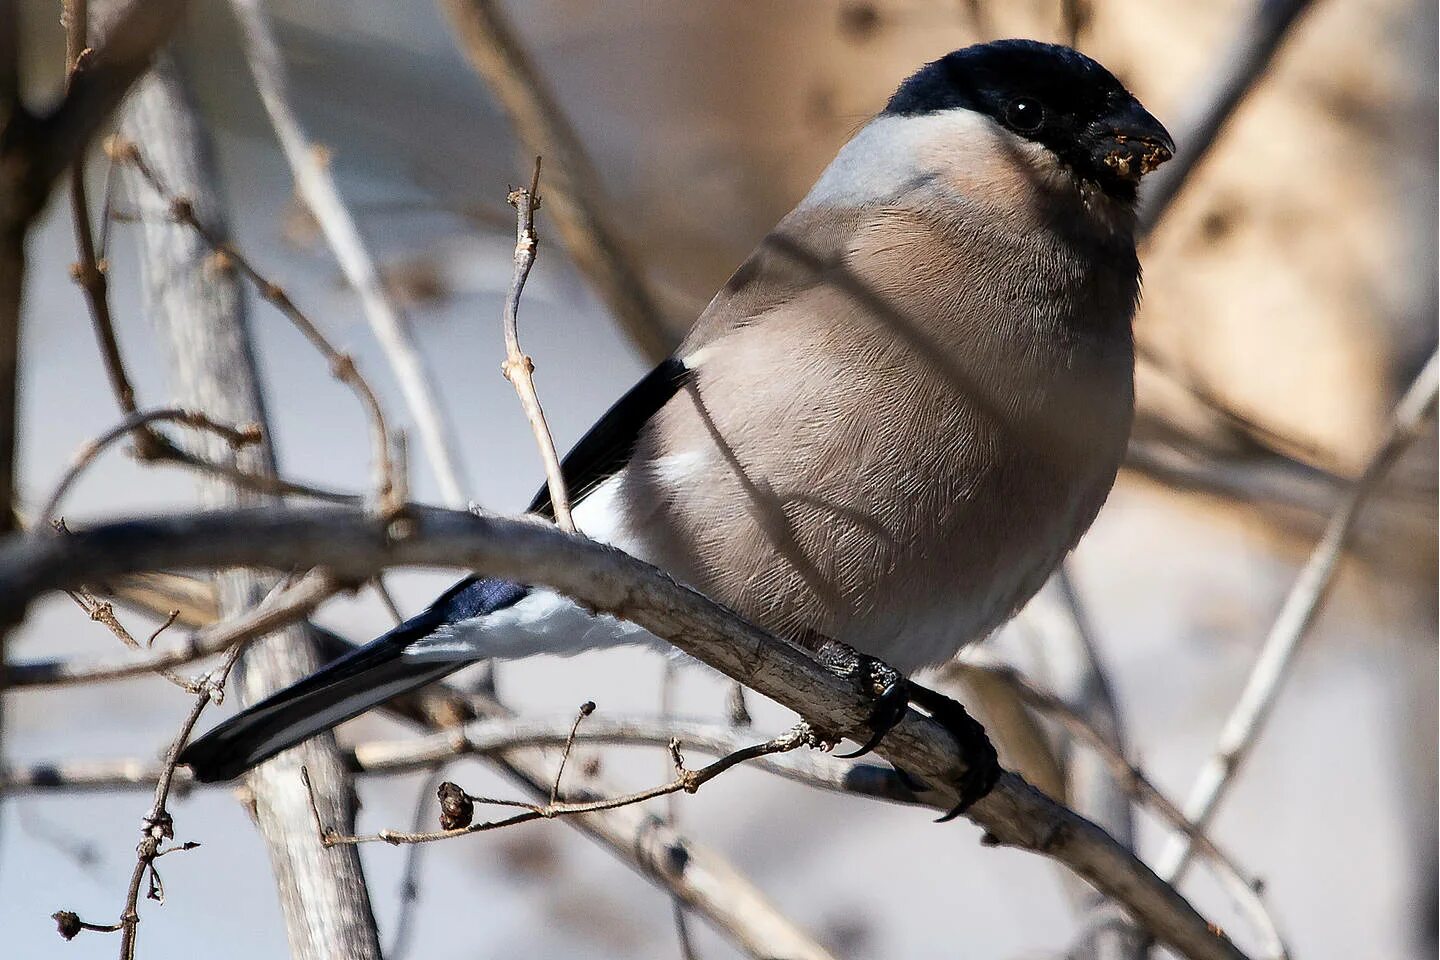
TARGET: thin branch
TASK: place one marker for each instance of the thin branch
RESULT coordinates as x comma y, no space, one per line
607,581
157,825
103,613
495,736
317,188
1130,778
282,607
707,883
90,271
685,780
574,190
518,368
342,365
138,422
586,709
1246,721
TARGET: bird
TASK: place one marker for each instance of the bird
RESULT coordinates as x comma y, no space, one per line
880,438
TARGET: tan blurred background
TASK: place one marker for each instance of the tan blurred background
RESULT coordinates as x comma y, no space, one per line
1294,280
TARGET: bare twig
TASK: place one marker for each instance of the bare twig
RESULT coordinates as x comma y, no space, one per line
586,708
342,366
316,186
282,607
137,422
157,826
1302,604
1130,778
103,613
496,736
90,271
688,781
518,368
707,883
573,192
608,581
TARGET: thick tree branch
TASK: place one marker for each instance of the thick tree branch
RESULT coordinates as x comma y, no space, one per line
355,545
195,300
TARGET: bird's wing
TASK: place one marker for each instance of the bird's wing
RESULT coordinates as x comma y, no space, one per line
607,446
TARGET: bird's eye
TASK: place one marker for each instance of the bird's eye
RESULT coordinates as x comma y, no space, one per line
1024,114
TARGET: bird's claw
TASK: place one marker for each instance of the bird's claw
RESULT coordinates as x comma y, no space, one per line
982,765
891,695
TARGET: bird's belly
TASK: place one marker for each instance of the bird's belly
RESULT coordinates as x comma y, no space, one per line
905,561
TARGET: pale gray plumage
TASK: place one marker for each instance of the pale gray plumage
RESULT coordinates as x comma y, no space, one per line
892,424
892,435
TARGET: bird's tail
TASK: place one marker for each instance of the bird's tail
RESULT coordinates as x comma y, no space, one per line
343,689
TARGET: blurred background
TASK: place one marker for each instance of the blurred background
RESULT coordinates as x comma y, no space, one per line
1292,284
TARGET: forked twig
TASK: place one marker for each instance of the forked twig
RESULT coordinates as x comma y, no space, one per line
342,365
456,803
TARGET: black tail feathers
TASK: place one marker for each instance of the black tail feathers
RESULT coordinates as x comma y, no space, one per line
346,688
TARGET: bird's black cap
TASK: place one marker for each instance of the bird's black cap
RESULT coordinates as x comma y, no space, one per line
1049,94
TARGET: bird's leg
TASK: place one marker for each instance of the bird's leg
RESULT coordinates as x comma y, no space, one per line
873,679
891,695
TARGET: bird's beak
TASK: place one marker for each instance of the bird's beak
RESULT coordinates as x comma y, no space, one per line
1133,143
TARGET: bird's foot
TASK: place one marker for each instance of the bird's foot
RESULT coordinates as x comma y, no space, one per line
874,680
982,765
891,694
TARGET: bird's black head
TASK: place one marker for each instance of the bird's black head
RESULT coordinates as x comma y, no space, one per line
1053,96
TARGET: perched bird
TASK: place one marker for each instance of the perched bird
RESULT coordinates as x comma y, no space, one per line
881,436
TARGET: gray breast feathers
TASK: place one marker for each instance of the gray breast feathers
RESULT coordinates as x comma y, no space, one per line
896,425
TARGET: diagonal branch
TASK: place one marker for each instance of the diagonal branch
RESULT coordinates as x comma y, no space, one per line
318,189
1251,50
1302,604
573,192
610,582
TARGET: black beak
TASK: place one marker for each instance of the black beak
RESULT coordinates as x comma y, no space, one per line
1133,143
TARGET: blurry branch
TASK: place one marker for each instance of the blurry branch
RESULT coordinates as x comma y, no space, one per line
608,582
410,877
196,301
1236,72
342,365
138,422
101,612
573,192
492,736
458,807
35,150
90,271
1079,679
317,188
282,607
518,367
1301,606
1135,784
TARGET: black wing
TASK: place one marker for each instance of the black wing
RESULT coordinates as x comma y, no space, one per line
607,447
